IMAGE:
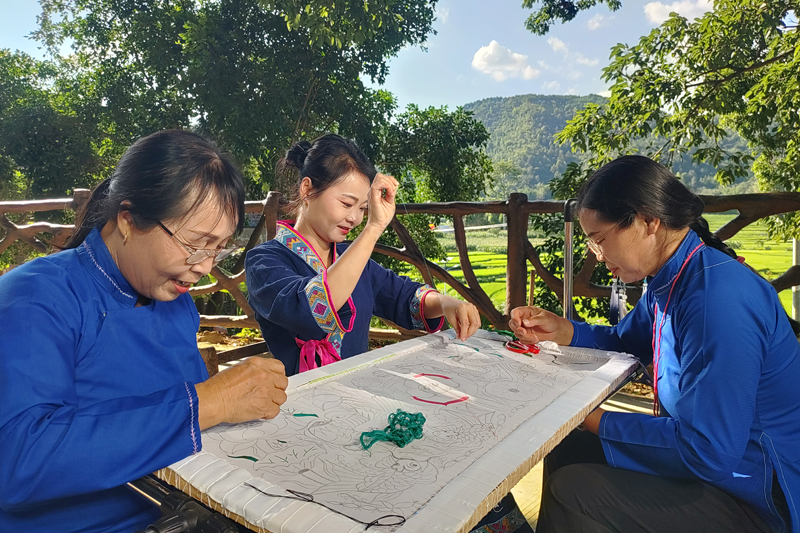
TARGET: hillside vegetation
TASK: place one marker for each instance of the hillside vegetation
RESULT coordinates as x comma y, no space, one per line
527,157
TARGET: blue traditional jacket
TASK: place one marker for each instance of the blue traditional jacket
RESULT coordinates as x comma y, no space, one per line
94,392
287,288
728,379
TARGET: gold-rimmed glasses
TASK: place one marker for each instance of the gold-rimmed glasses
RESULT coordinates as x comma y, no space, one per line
594,244
198,255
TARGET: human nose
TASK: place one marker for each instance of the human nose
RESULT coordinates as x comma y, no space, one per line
204,267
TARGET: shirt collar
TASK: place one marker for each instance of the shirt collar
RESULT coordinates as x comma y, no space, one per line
660,283
298,245
95,256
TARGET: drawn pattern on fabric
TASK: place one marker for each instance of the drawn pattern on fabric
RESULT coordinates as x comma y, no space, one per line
321,454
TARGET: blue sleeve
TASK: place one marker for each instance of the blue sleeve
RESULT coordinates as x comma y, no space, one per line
708,430
401,300
633,334
296,302
53,443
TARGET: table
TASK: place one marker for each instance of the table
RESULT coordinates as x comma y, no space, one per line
491,415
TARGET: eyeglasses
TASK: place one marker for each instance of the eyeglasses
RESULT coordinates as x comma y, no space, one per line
198,255
594,244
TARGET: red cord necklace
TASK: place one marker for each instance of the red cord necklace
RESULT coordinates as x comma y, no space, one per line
657,345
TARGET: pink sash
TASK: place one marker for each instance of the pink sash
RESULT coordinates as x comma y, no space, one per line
311,348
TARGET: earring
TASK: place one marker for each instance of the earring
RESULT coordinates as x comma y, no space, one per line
124,238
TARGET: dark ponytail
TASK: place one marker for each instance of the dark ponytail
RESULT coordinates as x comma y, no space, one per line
163,176
324,161
90,215
636,185
700,226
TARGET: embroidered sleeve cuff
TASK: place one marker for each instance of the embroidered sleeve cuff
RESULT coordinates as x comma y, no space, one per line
418,319
319,301
194,421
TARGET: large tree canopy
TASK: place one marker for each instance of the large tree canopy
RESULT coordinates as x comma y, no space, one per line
688,84
46,148
255,76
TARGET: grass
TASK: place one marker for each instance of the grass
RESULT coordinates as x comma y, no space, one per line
487,253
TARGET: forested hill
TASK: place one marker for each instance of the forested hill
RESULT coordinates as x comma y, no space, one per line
526,155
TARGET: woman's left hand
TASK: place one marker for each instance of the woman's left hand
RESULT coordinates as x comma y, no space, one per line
462,316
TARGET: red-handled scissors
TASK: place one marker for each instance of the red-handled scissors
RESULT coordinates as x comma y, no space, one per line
520,347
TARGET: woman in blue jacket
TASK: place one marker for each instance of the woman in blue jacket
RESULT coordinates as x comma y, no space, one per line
101,381
722,452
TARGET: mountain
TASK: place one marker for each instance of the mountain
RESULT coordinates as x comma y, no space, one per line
527,157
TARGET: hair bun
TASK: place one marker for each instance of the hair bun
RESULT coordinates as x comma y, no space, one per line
297,153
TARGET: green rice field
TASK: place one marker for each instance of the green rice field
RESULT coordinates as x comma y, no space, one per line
487,252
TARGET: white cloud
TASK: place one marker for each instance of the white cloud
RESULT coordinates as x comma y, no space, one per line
443,14
658,12
501,63
558,45
561,47
572,90
583,60
596,22
551,86
606,93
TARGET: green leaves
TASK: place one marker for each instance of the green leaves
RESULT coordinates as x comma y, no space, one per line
255,76
688,84
443,151
560,10
47,147
383,26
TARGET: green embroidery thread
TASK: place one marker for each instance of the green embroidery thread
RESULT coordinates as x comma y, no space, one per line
248,457
403,428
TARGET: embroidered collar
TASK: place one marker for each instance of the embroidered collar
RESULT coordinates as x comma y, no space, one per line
297,244
662,281
95,256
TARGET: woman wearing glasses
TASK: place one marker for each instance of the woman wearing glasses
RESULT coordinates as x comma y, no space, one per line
721,452
101,381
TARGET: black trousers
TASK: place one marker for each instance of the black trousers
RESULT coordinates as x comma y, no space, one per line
582,494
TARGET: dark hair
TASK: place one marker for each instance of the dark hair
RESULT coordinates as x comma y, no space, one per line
636,185
155,179
324,161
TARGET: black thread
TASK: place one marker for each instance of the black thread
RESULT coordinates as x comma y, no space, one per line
305,497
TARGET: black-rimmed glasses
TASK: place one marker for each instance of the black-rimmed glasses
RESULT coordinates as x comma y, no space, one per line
198,255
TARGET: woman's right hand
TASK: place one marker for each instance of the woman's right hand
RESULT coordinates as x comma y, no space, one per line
533,324
255,388
381,205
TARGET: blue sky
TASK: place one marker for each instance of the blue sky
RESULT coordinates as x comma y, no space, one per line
481,50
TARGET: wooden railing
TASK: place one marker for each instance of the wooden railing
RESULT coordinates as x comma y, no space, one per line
520,251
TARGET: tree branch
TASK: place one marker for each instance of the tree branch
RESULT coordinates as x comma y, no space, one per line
737,73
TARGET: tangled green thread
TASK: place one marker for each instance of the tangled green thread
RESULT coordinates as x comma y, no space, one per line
402,429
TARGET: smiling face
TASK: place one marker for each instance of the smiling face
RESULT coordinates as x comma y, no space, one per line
630,253
155,263
331,215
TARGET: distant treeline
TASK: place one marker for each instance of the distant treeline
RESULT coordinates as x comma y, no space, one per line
527,157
